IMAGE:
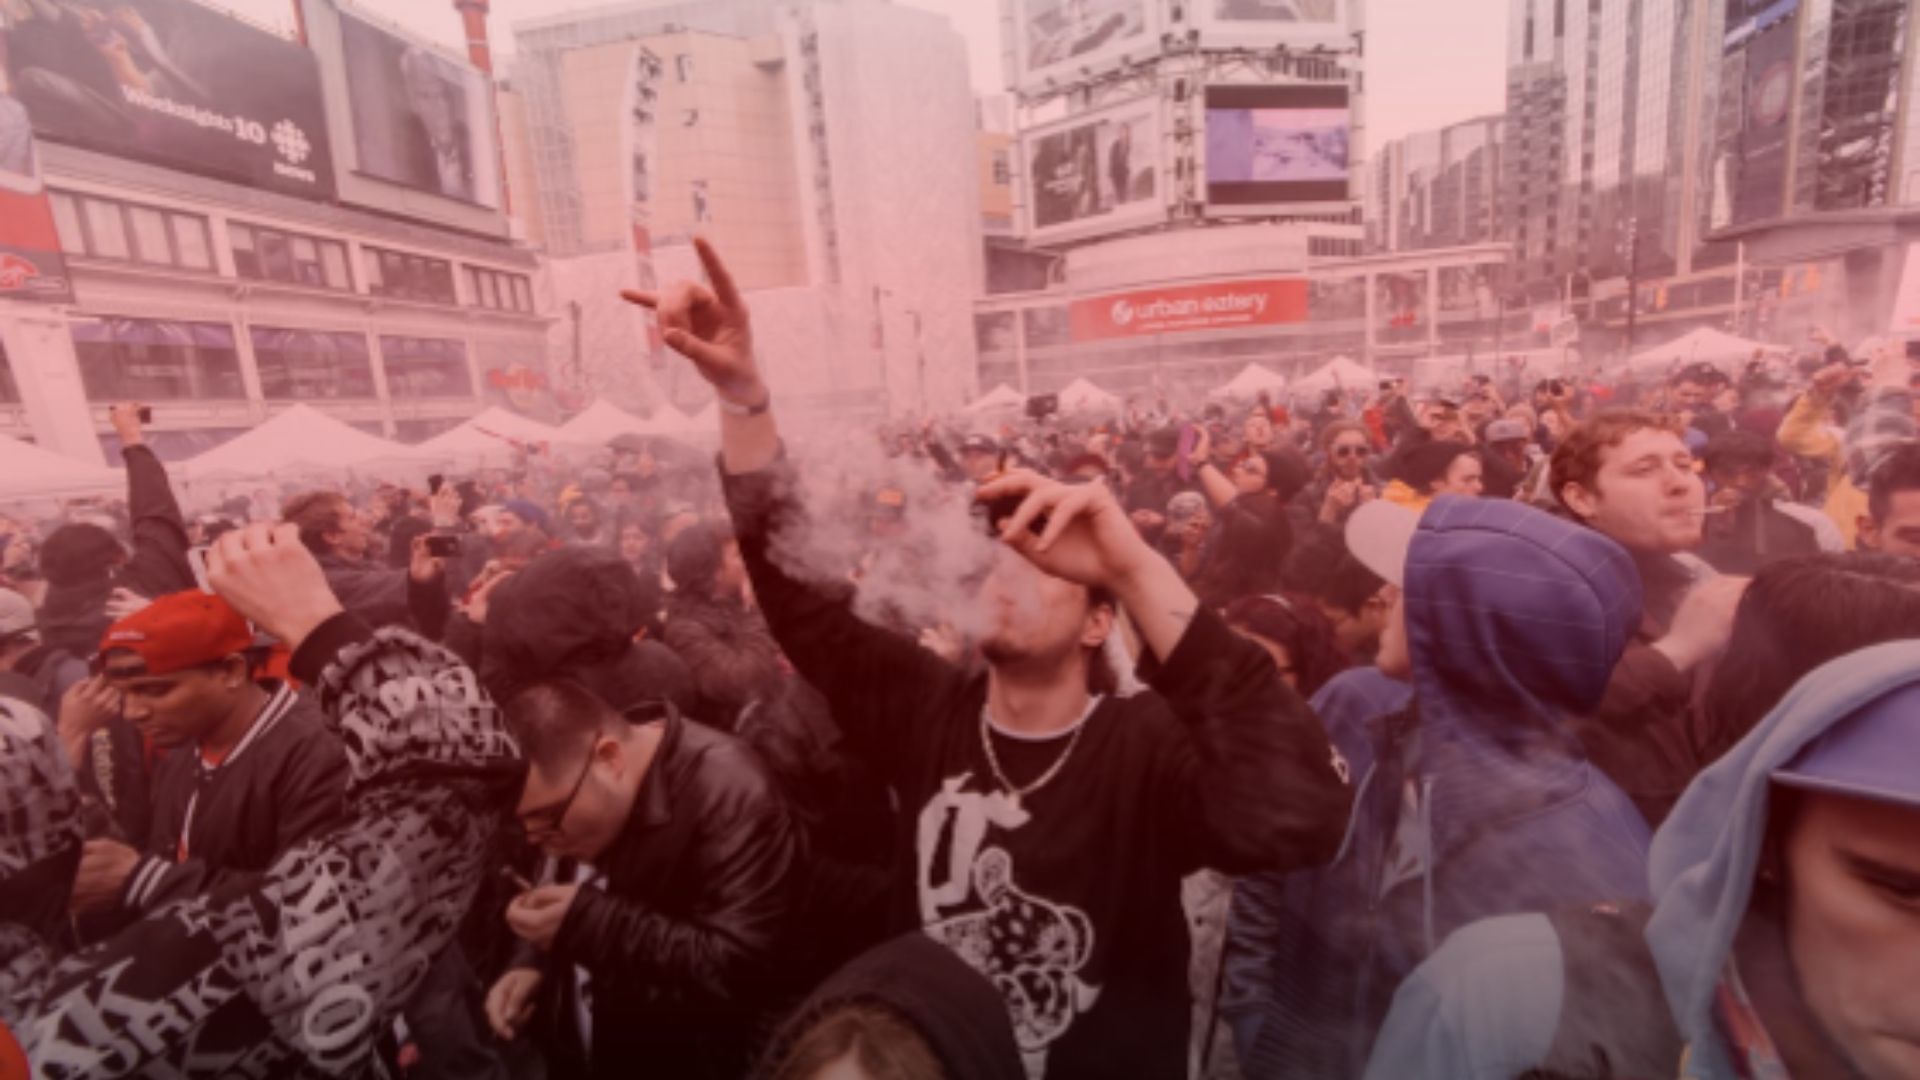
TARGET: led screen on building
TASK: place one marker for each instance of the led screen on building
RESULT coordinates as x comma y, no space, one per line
1277,145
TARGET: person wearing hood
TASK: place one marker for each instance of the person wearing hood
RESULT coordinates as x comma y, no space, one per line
301,968
1781,937
908,1008
1476,799
84,563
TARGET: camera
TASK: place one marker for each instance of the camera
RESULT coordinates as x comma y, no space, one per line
1041,406
146,414
434,483
443,546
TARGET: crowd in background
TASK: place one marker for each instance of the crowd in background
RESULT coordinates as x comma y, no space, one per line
1567,728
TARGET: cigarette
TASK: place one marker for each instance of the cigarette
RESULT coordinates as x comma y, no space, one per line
1711,510
519,882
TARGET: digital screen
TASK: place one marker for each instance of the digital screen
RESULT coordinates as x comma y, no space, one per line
1275,145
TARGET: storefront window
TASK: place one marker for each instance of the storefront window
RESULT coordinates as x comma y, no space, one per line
425,368
298,365
156,360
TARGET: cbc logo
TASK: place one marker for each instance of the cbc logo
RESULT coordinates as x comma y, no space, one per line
1121,313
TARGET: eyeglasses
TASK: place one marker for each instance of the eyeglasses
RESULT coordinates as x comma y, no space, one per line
544,823
1350,451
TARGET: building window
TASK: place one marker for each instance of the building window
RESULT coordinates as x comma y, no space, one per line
683,67
425,367
409,277
110,229
265,254
156,359
9,389
300,365
499,291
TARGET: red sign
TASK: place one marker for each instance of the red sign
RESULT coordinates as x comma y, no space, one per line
1188,308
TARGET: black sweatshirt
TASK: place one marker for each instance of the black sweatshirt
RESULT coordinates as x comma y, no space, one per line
1070,900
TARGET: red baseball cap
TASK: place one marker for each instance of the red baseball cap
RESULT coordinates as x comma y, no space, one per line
180,631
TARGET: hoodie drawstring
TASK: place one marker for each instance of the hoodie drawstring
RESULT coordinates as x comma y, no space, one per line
1426,855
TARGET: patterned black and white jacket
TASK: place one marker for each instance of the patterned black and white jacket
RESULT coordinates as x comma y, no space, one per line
298,971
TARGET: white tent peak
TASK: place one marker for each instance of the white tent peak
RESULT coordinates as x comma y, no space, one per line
494,431
27,470
1702,346
1339,373
300,435
998,399
1252,381
1081,395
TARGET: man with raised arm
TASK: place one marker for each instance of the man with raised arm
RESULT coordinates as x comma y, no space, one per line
1047,821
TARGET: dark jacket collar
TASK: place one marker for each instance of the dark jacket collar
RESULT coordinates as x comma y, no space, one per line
654,805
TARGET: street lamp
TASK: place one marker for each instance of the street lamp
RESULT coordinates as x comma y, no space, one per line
1633,278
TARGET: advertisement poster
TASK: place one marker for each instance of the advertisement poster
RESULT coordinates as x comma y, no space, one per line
173,83
1757,164
1399,307
1268,22
1221,306
420,119
1277,145
31,266
1096,173
1057,38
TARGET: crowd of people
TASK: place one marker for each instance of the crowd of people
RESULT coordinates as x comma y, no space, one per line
1483,731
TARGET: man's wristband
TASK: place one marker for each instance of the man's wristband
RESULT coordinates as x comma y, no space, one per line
743,411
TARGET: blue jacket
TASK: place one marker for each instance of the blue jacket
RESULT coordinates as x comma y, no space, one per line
1487,1005
1479,800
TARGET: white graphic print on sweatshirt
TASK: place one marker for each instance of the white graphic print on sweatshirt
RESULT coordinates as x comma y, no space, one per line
1030,948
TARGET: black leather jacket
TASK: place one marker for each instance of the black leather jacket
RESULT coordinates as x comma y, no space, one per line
686,945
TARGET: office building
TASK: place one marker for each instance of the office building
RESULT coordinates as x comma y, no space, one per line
303,252
829,150
1436,189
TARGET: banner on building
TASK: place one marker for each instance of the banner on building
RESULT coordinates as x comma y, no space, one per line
1096,173
1758,68
31,266
1266,23
1058,39
176,84
1226,305
420,119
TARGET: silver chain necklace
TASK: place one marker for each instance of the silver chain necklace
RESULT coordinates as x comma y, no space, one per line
1015,793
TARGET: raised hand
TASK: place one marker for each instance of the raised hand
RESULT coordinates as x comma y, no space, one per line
710,326
269,576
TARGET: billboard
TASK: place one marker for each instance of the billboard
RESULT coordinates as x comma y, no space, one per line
1277,146
31,266
420,119
1269,22
1758,74
1227,305
1055,39
1097,172
175,84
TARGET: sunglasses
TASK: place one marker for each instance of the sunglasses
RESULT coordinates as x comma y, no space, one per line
544,823
1350,451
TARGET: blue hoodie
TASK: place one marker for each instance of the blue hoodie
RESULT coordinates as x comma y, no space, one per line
1487,1005
1479,800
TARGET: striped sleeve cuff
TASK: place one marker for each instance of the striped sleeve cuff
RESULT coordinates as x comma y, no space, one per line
144,882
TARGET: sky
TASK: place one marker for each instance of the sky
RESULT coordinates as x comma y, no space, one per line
1429,62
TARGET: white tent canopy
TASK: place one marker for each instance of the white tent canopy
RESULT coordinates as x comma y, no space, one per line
1252,381
490,434
1339,373
1082,396
298,437
1705,345
603,420
1002,398
27,471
